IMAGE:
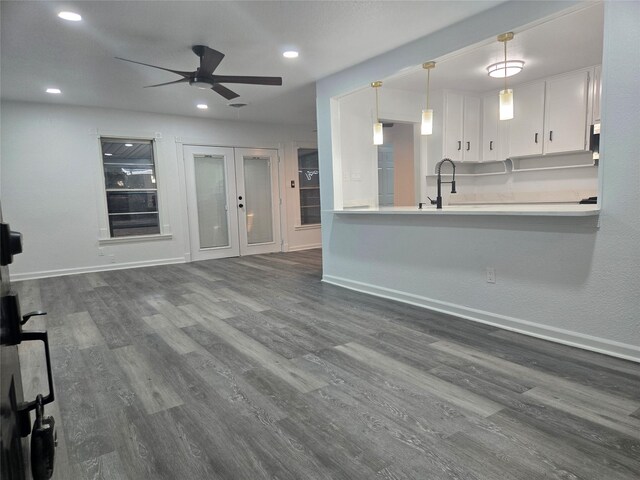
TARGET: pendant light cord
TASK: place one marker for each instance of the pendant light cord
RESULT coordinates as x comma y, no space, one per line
428,80
377,112
505,65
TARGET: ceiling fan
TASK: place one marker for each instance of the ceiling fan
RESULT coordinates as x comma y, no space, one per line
203,76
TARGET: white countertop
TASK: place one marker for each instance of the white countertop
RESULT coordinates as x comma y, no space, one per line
540,210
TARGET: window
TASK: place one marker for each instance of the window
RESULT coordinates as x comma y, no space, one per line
131,187
309,182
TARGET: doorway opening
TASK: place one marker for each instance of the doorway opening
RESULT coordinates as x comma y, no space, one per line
397,166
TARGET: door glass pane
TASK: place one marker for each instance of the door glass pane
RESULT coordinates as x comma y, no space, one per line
257,187
211,197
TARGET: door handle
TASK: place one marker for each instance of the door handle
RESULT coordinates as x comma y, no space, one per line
30,336
468,146
551,135
536,138
491,145
240,205
459,145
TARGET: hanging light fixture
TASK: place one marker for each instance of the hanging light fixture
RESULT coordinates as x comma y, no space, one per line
426,128
506,95
505,69
377,126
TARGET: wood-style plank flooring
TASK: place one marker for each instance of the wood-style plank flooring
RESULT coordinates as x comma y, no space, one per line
251,368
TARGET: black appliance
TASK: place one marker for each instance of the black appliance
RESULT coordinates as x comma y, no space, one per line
594,140
15,411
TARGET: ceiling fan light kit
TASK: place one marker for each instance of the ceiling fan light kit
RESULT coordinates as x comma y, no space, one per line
204,78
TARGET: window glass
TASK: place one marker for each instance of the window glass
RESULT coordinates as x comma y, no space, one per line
131,187
309,185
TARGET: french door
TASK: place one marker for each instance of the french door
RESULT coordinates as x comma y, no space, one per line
233,201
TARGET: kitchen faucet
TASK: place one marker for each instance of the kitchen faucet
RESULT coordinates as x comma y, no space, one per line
440,182
438,201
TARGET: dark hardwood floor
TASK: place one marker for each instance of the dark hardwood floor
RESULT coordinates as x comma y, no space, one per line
251,368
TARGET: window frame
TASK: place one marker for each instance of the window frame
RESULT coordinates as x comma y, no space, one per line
300,225
104,234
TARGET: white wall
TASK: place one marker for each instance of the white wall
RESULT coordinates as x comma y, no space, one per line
51,182
574,280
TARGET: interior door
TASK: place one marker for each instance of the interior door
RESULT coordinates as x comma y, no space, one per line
257,200
211,194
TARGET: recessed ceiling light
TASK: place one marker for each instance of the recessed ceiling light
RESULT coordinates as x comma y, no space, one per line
202,106
53,90
290,54
128,144
71,16
108,154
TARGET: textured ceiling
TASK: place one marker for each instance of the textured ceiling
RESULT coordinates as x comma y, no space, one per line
567,42
39,50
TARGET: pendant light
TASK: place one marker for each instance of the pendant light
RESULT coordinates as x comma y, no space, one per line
426,128
506,95
377,126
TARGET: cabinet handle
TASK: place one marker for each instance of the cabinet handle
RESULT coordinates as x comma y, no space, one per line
468,146
491,145
459,145
551,135
536,138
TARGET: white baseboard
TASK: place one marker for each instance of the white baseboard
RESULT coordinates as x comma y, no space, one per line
546,332
305,247
95,268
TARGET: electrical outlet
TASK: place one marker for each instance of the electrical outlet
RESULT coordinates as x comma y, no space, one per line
491,275
100,252
112,259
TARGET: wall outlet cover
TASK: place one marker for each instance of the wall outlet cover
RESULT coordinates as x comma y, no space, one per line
491,275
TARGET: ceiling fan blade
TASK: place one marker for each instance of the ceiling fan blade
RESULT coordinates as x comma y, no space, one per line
224,91
209,59
183,74
182,80
247,80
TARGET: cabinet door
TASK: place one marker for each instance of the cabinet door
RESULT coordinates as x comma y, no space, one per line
452,131
526,128
597,94
490,105
566,113
471,130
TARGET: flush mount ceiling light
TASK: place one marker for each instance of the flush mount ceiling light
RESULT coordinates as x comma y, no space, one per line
377,125
55,91
202,106
290,54
426,127
237,105
506,95
505,69
70,16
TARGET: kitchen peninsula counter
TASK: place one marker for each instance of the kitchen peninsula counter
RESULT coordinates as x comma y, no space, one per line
538,210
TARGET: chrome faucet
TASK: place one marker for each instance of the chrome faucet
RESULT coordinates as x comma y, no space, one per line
440,182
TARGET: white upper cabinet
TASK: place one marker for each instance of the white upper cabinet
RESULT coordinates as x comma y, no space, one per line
461,132
566,109
526,129
495,133
550,117
597,93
